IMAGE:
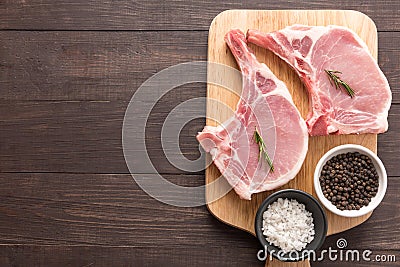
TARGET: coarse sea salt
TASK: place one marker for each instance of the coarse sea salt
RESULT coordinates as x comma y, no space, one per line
288,225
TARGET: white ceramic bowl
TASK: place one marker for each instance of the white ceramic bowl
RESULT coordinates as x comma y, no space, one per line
379,168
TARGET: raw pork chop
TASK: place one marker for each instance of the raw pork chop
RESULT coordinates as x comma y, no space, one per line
311,51
267,106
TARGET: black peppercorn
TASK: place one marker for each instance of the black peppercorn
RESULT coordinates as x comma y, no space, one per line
349,180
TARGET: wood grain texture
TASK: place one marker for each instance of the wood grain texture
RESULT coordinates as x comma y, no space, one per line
230,208
73,219
164,15
85,136
67,72
89,65
56,65
22,255
102,210
176,255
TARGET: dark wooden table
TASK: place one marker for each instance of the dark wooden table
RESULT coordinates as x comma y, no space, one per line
67,72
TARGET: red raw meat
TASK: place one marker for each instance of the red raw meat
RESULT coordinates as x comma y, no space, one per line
311,51
265,105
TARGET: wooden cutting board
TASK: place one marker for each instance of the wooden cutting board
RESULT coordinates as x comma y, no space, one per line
231,209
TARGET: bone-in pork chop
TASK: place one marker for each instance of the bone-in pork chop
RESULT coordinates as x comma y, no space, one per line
312,51
265,107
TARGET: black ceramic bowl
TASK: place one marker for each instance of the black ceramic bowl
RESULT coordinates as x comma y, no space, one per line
320,224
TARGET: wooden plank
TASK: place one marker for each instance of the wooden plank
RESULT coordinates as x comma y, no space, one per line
157,15
76,209
112,65
29,255
53,209
177,255
89,65
328,263
85,137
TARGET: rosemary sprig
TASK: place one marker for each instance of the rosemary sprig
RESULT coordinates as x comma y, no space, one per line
337,82
263,149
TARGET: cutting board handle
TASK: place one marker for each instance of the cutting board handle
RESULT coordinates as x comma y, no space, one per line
278,263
